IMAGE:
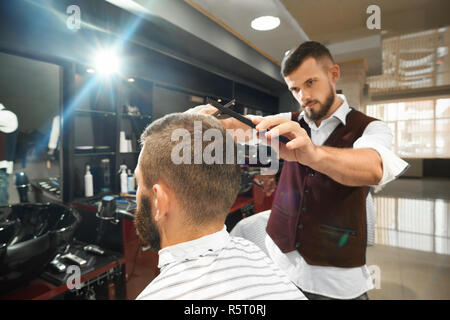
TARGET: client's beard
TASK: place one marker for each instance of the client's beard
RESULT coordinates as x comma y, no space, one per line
146,226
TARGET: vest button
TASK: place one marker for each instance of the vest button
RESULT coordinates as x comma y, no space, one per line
306,190
304,209
311,174
300,226
297,244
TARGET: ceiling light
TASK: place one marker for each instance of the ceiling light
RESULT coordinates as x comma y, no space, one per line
265,23
130,79
90,70
106,62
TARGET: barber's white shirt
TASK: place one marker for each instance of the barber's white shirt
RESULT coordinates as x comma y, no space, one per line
341,283
8,124
218,266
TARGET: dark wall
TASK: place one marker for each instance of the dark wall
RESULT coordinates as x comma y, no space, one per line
287,102
439,168
169,101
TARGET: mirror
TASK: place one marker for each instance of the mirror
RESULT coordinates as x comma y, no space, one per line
31,89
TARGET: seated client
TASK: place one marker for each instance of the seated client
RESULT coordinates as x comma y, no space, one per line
182,206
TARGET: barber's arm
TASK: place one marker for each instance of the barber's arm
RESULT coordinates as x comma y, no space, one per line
351,167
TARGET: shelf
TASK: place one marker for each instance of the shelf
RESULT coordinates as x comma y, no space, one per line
92,154
126,153
133,116
95,112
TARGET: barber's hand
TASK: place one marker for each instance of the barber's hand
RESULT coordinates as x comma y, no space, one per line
229,123
202,109
300,148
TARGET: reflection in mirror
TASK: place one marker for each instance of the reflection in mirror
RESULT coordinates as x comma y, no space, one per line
29,148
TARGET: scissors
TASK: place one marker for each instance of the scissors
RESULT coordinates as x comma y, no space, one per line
224,110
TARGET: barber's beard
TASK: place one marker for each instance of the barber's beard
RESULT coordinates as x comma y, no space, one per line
146,226
324,107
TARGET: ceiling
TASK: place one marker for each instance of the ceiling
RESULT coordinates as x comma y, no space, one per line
224,26
340,24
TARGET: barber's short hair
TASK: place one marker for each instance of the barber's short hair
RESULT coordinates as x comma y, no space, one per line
309,49
206,192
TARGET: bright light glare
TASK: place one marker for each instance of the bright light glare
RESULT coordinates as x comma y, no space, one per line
265,23
90,70
106,62
130,79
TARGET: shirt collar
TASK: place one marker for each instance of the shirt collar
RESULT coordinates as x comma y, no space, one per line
340,113
193,249
2,106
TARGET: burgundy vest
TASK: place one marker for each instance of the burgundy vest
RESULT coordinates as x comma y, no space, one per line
321,218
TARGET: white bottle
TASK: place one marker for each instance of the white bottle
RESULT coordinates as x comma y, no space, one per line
88,183
123,179
123,145
130,181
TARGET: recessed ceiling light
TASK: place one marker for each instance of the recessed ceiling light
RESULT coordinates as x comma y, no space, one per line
265,23
90,70
130,79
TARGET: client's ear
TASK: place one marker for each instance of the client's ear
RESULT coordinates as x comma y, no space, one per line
161,201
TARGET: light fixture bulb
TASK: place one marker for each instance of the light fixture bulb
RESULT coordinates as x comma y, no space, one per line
265,23
107,62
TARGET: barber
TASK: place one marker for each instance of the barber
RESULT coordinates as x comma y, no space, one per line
8,137
317,230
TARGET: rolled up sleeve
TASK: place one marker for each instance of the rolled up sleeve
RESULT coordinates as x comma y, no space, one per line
378,136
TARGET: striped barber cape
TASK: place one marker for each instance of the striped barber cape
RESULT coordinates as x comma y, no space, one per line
218,266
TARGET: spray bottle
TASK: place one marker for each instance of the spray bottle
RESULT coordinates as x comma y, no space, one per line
123,179
88,183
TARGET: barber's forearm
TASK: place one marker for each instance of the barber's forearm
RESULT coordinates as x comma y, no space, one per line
351,167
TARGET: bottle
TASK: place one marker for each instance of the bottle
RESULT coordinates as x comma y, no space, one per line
123,179
130,181
106,175
123,145
88,183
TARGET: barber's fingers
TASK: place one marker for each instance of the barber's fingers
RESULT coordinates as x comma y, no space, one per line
298,143
202,109
290,129
269,122
255,119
